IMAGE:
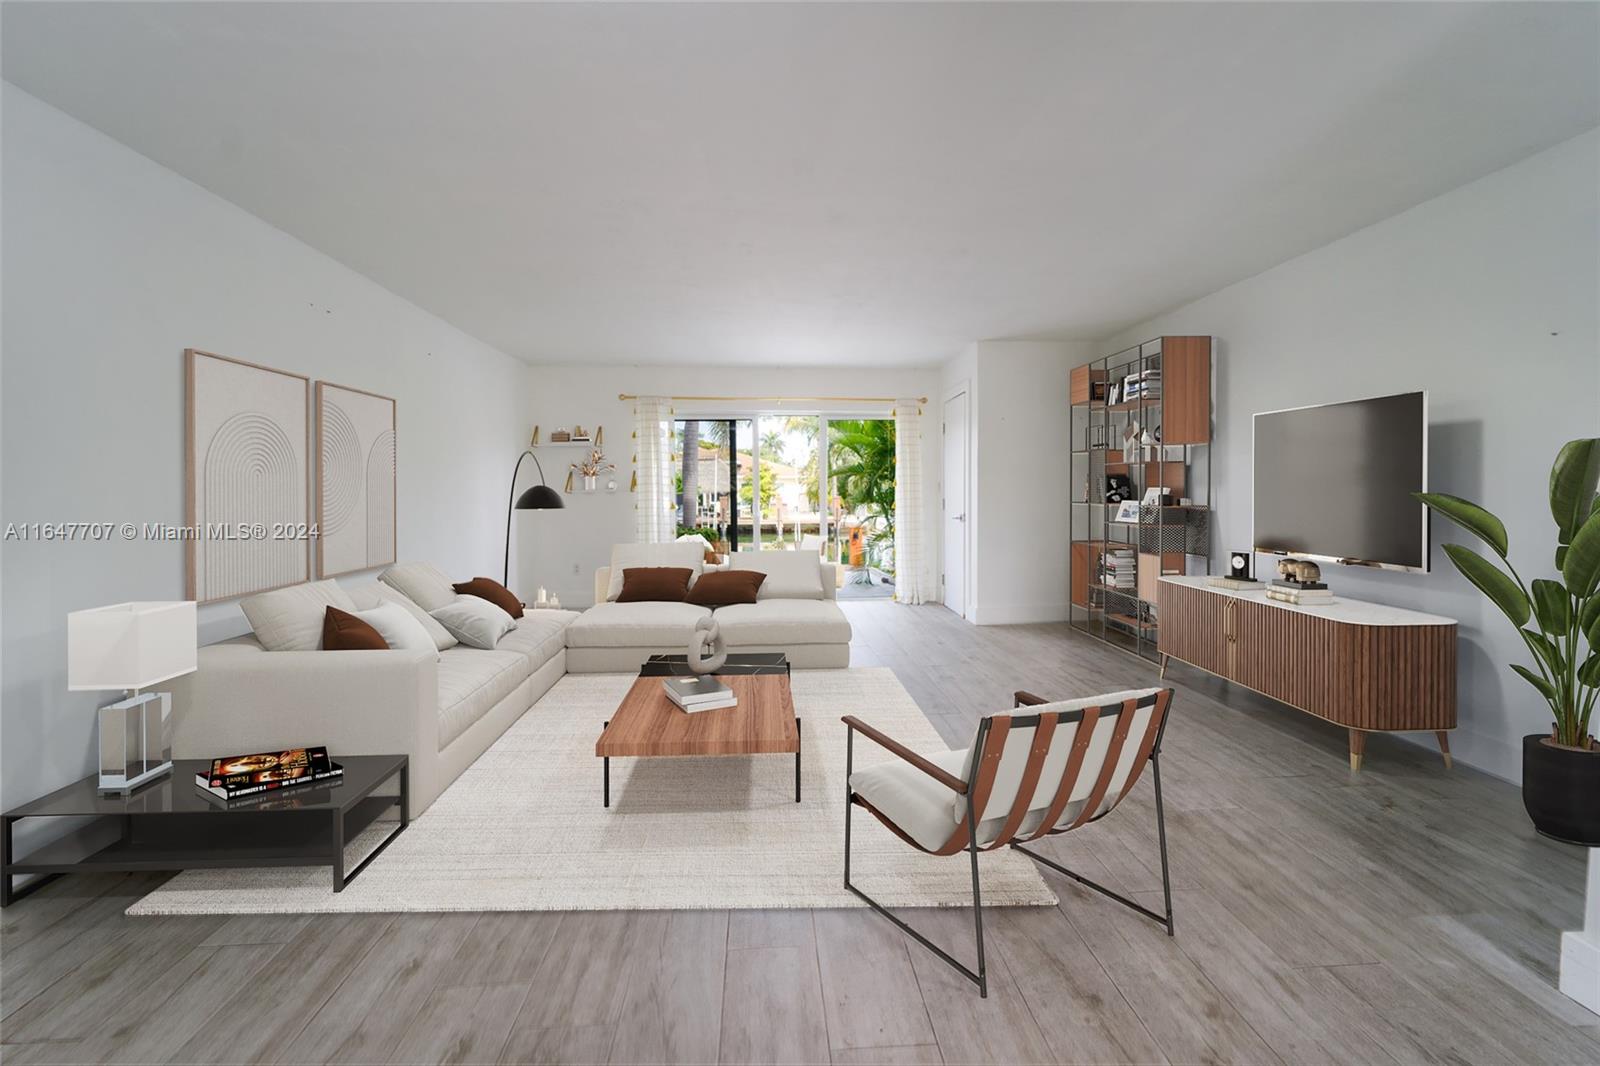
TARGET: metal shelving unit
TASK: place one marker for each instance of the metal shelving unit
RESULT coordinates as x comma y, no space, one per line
1115,565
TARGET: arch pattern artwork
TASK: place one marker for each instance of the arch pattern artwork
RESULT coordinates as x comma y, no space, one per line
380,498
248,509
341,468
355,480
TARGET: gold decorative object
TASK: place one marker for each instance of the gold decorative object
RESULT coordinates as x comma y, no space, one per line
1303,571
533,441
633,486
599,435
568,486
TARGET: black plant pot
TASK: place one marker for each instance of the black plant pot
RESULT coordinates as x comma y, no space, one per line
1561,790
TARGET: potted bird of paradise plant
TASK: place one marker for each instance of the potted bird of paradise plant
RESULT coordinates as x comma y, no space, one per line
1561,768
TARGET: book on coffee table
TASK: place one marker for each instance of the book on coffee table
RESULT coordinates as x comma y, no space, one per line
699,693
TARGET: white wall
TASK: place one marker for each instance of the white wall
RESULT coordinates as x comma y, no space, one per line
1018,499
1486,297
112,267
960,375
561,549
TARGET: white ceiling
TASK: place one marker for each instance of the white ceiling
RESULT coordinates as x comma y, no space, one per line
814,184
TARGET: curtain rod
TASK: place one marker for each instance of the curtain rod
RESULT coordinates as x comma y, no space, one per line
780,399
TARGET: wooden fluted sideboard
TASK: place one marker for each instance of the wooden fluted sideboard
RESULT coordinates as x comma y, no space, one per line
1365,666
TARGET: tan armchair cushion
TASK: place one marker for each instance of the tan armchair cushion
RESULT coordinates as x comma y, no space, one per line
911,799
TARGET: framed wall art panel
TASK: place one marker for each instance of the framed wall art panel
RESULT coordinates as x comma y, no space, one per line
355,479
247,444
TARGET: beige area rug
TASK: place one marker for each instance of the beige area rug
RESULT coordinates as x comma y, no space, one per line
523,828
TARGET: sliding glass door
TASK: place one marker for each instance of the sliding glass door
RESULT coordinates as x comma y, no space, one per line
860,460
790,460
792,482
706,478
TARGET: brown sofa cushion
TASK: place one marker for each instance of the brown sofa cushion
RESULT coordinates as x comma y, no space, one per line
640,583
343,631
726,587
486,588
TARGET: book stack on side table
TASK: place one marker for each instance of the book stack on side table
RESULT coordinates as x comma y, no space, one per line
249,775
695,694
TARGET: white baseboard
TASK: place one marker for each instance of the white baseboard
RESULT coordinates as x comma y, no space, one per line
1580,951
1580,969
1017,614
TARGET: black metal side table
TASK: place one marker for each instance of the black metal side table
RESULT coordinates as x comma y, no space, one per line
173,824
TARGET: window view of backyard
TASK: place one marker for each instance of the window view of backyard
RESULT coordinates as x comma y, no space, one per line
792,483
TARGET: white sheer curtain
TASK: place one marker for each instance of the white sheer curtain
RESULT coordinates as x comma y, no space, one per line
652,470
908,531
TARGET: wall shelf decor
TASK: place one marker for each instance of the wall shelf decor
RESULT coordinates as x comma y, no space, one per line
246,443
565,437
1141,420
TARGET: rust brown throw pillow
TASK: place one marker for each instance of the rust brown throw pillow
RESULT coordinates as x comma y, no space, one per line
640,583
343,631
726,587
487,588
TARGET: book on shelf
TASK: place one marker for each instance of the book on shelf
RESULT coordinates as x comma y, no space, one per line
1120,569
268,771
699,693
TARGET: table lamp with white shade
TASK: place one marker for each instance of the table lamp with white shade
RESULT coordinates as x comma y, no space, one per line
127,647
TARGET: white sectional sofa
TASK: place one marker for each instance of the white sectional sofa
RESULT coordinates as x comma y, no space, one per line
443,709
795,612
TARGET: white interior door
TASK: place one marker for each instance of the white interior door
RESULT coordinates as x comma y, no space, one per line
955,503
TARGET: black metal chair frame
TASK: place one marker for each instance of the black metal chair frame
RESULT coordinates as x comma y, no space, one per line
980,976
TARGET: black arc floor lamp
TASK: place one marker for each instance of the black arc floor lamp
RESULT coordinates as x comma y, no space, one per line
540,497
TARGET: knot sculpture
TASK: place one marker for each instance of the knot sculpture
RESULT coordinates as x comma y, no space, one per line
707,650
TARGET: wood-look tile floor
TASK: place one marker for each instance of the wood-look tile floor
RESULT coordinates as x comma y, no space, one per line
1405,914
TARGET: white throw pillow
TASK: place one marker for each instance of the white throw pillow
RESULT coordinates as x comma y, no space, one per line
398,628
442,640
290,619
678,553
475,621
422,583
795,575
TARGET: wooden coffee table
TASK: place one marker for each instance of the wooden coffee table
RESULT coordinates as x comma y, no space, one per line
649,725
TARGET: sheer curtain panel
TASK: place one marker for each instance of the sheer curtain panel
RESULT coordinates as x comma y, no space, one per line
908,525
652,470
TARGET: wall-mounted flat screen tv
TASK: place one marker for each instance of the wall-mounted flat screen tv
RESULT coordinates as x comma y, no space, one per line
1334,482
